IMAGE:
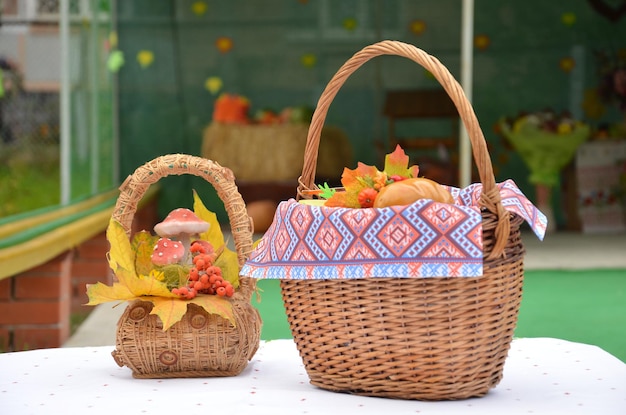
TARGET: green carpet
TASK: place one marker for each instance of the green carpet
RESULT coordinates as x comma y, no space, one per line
272,310
587,306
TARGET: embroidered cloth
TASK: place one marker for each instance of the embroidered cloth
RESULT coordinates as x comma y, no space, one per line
420,240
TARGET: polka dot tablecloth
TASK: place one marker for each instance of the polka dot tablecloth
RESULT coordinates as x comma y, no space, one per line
541,376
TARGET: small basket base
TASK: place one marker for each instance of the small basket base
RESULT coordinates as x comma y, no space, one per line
200,345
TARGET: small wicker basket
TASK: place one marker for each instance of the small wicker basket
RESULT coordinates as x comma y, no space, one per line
201,344
412,338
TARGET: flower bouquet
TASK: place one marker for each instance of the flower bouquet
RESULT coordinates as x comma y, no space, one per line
190,313
545,142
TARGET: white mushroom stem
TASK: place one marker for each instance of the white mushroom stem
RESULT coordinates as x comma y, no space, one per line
185,240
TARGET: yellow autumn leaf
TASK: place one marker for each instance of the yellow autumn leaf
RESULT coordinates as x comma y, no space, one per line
100,293
143,246
130,286
124,276
214,304
121,252
214,233
171,311
143,285
229,263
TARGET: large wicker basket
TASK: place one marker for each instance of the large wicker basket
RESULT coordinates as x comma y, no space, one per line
412,338
201,344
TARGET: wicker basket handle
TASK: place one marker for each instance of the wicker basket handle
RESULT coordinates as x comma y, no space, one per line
490,198
222,179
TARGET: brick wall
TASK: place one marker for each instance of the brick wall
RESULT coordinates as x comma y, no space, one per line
35,305
89,266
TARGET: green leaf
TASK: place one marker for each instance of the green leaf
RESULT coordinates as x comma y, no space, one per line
175,275
327,191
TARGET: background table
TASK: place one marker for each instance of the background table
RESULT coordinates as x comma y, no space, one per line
541,376
267,159
274,153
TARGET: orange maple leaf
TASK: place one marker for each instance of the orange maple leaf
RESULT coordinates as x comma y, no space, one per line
397,163
353,182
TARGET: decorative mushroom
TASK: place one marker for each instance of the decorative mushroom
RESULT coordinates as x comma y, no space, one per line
181,224
167,252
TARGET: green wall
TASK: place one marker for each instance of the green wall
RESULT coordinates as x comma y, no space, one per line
165,106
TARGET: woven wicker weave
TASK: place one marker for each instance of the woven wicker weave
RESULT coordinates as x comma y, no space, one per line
201,344
428,339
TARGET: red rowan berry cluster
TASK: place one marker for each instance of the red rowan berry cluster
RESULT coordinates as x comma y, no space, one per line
367,196
204,277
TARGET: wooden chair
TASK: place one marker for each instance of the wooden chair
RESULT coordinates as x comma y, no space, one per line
425,104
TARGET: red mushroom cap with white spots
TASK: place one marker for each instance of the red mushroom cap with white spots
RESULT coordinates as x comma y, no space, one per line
167,252
181,221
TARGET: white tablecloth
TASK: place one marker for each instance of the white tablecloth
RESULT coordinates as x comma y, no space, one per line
541,376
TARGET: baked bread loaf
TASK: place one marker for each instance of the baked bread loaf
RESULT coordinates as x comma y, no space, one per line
407,191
